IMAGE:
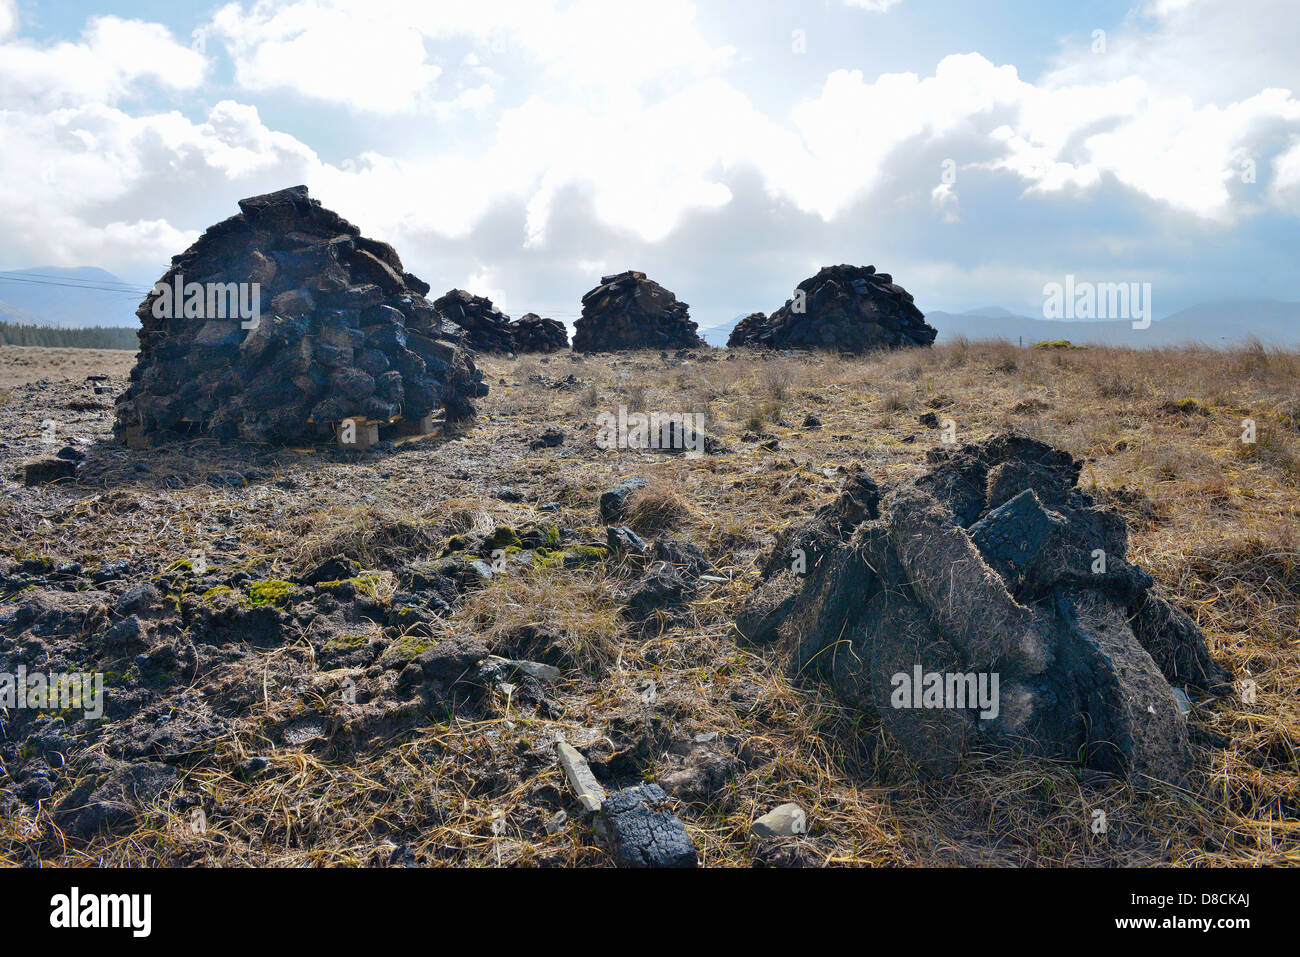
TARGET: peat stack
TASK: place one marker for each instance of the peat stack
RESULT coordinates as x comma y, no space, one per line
988,605
845,308
532,333
629,311
747,329
487,328
341,331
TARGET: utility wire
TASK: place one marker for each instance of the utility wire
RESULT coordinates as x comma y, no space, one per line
41,282
95,283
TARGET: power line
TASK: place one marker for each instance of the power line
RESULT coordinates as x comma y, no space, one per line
23,274
69,285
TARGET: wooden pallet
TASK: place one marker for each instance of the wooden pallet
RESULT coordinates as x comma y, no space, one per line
357,432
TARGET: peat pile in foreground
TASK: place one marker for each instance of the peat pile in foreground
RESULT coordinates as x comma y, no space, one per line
845,308
629,311
343,331
995,577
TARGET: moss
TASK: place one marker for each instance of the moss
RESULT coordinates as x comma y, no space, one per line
406,648
347,642
1056,344
367,585
217,591
273,591
457,543
1184,407
502,536
547,559
575,556
33,562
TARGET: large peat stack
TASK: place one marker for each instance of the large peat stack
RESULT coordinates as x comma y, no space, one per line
843,308
991,573
487,328
629,311
343,332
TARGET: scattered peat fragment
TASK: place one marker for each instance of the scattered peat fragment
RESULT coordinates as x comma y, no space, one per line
641,832
45,469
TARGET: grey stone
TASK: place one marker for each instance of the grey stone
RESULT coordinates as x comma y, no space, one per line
590,794
786,820
613,503
548,674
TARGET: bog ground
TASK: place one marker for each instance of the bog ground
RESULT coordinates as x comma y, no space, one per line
263,708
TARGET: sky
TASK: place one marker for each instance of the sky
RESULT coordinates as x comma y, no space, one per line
728,148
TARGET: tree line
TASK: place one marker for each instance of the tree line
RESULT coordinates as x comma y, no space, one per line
91,337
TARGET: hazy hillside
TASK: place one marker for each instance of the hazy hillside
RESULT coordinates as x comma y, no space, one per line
1224,324
1214,324
79,297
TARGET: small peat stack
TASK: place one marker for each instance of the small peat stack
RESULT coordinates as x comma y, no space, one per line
487,328
532,333
629,311
747,330
844,308
988,605
336,330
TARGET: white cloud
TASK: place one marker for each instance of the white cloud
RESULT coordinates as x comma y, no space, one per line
1211,51
945,200
1285,188
525,104
113,57
94,184
8,17
303,46
874,6
588,45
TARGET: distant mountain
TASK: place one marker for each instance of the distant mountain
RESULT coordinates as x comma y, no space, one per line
1222,324
717,335
16,316
74,297
990,312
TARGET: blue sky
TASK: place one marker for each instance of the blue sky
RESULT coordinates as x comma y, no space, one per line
520,149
